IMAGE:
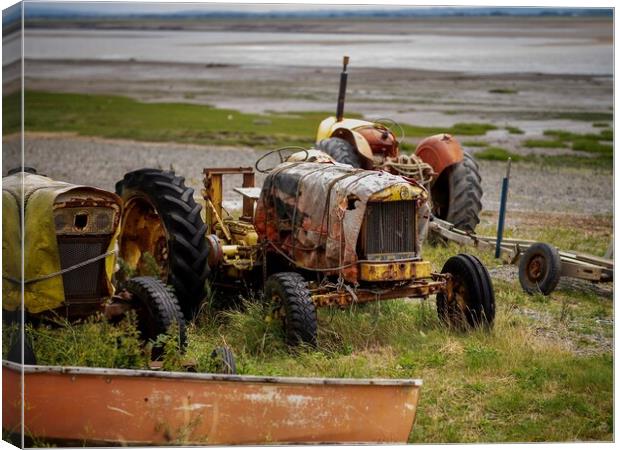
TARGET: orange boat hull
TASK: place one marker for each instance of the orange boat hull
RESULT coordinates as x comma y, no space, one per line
114,406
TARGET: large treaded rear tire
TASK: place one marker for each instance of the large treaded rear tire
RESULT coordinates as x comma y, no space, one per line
157,309
457,194
187,251
473,302
341,150
289,291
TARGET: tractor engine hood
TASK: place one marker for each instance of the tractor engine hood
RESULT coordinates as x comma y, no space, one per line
313,212
42,198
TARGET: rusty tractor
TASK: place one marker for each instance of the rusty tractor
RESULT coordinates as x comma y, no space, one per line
317,234
70,269
439,162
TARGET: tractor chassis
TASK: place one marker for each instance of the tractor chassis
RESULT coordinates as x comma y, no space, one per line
416,289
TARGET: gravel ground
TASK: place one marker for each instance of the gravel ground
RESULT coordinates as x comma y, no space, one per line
101,163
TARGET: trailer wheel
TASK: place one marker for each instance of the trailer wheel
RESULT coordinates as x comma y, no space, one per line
540,268
289,296
456,194
224,360
342,151
470,303
157,310
162,233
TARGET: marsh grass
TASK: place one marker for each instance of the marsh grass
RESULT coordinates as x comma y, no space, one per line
119,117
520,382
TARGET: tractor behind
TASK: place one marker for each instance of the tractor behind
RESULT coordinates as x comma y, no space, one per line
439,162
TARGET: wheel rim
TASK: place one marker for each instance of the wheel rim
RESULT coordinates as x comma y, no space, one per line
536,269
459,302
277,308
144,241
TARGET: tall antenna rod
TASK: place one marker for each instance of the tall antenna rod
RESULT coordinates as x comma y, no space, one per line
343,89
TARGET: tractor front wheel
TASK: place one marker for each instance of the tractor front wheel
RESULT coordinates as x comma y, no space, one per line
157,311
469,302
288,294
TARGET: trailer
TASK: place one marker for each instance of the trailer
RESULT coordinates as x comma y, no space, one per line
541,265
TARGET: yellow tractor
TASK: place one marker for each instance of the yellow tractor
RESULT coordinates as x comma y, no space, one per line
69,235
439,162
317,234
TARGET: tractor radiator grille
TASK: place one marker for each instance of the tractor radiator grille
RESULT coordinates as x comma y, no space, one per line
389,228
86,283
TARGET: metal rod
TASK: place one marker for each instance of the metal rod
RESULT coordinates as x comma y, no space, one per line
502,211
343,90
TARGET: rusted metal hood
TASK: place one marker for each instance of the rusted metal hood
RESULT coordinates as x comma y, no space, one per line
314,211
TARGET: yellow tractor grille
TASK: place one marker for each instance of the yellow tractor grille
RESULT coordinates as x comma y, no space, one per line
85,283
389,228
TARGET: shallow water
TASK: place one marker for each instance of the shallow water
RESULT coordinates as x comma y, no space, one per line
484,54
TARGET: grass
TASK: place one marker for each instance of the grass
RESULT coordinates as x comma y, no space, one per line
602,158
514,130
520,383
475,144
544,143
497,154
123,118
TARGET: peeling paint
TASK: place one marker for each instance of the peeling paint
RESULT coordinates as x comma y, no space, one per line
122,411
193,407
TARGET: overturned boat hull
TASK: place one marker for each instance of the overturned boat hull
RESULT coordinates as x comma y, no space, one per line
92,406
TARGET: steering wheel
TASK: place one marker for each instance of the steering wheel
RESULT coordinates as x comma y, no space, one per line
283,153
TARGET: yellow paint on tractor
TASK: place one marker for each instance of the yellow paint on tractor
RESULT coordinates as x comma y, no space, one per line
329,125
397,192
394,271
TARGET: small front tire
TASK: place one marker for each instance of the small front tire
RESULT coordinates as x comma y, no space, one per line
470,303
157,310
288,294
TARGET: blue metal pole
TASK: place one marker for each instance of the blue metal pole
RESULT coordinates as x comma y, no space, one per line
502,211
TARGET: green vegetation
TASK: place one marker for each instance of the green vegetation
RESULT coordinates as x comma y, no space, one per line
497,154
602,151
543,143
601,124
475,144
514,130
503,91
540,375
603,161
123,118
588,142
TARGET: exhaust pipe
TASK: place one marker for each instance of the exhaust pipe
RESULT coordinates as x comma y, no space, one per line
343,89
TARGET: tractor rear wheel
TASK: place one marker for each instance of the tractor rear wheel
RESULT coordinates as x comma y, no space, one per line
157,310
470,303
162,233
540,269
342,151
289,296
456,194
